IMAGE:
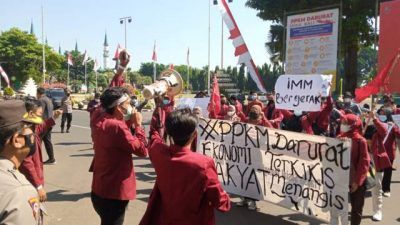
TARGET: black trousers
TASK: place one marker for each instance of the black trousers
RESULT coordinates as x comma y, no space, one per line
111,212
66,117
47,144
357,204
387,178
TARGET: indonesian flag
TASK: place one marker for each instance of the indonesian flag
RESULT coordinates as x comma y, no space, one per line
69,60
154,57
380,82
96,65
215,98
117,51
241,49
187,57
171,66
85,58
5,77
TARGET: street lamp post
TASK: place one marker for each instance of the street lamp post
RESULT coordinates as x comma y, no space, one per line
125,20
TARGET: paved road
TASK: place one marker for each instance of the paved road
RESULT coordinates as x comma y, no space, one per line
68,186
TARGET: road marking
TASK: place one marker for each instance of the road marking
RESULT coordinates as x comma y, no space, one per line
87,128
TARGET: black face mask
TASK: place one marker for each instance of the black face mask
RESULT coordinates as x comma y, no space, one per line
253,115
31,145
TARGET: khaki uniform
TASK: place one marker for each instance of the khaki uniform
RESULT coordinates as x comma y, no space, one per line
19,202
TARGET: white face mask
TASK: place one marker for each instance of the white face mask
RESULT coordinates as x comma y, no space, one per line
382,118
128,114
230,113
344,128
298,113
347,100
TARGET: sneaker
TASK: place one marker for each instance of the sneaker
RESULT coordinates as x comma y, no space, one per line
386,194
377,216
242,202
67,131
62,130
252,205
50,162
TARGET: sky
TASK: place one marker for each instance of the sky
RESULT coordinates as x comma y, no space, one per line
175,25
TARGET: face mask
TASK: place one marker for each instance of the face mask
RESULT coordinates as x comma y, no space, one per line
252,97
347,100
230,113
31,145
128,114
382,118
253,115
388,109
344,128
97,100
68,94
133,102
165,101
298,113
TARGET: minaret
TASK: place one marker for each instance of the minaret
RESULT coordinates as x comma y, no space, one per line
59,49
76,46
105,52
32,31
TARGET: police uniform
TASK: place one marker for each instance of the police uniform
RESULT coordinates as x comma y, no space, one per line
19,202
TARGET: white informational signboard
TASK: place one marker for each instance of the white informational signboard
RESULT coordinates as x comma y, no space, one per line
195,102
301,92
396,119
305,173
312,43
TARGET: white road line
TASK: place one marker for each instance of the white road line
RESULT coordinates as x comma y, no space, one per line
87,128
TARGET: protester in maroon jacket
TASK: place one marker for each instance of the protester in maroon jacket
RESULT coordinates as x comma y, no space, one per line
114,182
32,166
274,115
253,100
256,117
164,106
187,189
360,161
390,146
318,122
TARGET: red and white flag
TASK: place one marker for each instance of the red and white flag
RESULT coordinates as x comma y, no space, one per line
85,58
96,65
241,49
117,51
69,59
154,57
4,75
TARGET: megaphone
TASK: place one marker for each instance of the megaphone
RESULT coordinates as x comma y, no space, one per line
170,83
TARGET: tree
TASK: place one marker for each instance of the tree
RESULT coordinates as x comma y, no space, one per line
357,27
21,56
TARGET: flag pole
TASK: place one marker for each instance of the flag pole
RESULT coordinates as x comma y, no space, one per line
85,79
43,52
154,71
209,47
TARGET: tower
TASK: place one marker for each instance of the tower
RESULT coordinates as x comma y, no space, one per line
105,52
32,31
76,46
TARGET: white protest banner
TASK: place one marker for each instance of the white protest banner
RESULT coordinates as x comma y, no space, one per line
301,92
195,102
305,173
396,119
312,43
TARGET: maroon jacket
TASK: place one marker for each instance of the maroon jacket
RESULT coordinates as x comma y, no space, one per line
117,81
32,166
390,144
276,116
159,116
187,189
321,118
378,150
114,144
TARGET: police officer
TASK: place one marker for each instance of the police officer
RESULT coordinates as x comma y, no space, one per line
19,203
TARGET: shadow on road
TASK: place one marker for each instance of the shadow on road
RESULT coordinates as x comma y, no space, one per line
146,176
83,155
73,143
63,196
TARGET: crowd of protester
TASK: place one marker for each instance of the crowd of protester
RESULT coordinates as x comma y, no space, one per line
187,189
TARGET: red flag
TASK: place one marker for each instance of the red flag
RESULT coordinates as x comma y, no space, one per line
4,75
116,55
380,82
171,66
69,60
215,98
154,57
